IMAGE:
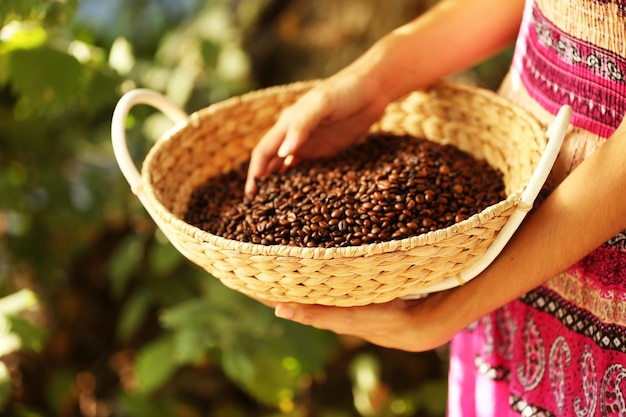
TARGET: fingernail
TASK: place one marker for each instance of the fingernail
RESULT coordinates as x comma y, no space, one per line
284,311
284,150
287,147
249,190
288,160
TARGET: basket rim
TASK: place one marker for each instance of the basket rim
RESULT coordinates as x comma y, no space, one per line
370,249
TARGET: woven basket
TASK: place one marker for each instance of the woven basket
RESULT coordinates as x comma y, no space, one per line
221,136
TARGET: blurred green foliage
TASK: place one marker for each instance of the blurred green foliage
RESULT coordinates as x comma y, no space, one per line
124,325
67,214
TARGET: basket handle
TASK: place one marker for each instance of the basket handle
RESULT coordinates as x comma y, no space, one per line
556,134
118,128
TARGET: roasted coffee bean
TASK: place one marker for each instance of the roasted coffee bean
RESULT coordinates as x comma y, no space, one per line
388,187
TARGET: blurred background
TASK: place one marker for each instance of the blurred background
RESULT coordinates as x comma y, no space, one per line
99,315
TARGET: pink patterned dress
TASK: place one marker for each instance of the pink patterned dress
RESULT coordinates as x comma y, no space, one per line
559,350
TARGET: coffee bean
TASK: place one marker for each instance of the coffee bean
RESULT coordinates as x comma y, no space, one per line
383,184
388,187
336,213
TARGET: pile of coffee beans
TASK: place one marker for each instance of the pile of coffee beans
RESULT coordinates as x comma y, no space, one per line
386,188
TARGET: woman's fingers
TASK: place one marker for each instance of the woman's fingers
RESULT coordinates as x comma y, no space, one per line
302,119
264,159
370,321
411,325
323,122
290,131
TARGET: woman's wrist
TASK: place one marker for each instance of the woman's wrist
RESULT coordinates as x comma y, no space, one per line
383,70
417,54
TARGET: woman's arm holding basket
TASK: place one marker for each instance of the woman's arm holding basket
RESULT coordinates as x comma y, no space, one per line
451,36
585,210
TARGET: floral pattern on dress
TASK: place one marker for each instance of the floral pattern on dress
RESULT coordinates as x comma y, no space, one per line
560,358
531,371
585,403
607,264
613,388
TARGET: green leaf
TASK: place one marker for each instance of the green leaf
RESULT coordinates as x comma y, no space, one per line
239,365
270,367
44,79
210,52
197,327
155,364
133,313
124,261
32,336
191,313
147,406
192,345
100,93
23,36
164,258
59,389
266,374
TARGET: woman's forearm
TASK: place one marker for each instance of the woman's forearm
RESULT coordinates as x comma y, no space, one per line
451,36
584,211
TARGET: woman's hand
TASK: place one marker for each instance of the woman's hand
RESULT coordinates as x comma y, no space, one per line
326,120
411,325
335,113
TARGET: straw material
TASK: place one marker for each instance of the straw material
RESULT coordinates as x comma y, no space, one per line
221,136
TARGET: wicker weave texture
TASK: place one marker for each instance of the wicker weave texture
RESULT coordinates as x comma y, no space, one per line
221,136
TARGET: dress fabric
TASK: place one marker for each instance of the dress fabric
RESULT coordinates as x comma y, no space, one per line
559,350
